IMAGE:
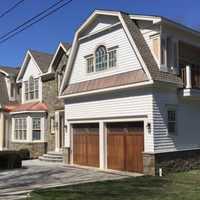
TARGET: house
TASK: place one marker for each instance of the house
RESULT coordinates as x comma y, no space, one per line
131,94
8,95
37,120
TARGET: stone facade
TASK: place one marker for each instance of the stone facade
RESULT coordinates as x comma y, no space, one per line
50,91
35,149
50,97
171,162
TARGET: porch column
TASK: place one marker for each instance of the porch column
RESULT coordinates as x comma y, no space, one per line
188,77
1,130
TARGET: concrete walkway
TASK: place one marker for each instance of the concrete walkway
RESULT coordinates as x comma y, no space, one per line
16,184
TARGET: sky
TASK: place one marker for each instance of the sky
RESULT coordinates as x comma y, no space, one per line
61,26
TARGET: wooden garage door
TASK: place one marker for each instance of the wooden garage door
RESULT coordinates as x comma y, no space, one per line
86,144
125,144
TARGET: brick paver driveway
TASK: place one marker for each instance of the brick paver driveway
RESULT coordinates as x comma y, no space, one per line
15,184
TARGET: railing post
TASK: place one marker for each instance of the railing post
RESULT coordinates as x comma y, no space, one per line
188,77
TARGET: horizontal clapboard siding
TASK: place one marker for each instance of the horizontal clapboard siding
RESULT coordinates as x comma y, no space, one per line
126,57
117,105
188,126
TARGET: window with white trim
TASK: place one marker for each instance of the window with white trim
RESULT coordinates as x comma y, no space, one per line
31,89
20,129
52,124
171,121
36,128
112,58
90,64
102,59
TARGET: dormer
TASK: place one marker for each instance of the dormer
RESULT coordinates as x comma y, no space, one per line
35,64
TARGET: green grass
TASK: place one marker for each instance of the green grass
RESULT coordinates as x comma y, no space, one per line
179,186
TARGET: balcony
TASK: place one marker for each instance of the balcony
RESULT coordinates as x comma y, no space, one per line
191,79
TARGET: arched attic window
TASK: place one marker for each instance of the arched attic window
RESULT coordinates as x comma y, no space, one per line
101,58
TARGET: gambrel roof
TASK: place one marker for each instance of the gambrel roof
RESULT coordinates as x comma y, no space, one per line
144,54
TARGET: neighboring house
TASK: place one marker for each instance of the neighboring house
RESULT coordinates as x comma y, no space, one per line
33,119
8,95
131,94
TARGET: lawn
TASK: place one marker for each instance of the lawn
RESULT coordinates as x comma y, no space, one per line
179,186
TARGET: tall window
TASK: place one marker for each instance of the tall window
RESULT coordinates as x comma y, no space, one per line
12,90
171,117
163,51
31,89
104,59
101,58
112,58
36,129
20,129
90,64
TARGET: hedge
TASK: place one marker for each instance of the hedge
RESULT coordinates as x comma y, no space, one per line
10,160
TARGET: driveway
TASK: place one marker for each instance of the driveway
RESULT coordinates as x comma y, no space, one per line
16,184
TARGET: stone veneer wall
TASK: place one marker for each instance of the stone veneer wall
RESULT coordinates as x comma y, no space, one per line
171,162
50,97
35,149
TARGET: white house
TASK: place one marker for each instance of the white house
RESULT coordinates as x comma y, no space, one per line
131,92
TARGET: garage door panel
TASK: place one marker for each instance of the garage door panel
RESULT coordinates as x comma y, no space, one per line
125,146
80,150
116,151
93,149
86,144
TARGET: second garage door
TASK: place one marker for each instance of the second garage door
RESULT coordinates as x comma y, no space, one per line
86,144
125,144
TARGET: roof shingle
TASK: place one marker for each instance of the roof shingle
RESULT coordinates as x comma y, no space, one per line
43,59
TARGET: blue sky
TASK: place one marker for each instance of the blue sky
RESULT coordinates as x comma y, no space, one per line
60,26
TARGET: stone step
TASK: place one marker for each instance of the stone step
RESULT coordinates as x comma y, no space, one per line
53,156
41,158
55,153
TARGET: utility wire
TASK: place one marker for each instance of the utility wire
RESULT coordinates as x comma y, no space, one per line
30,20
11,8
27,24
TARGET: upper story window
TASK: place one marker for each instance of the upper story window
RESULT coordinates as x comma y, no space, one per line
102,59
60,76
31,89
169,54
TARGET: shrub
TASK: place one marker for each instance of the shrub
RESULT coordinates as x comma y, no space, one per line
10,160
25,154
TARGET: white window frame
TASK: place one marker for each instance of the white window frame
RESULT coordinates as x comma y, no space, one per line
35,90
171,108
52,124
36,129
93,56
20,129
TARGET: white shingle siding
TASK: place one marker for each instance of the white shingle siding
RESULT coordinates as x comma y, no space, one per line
126,57
102,22
122,105
188,115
